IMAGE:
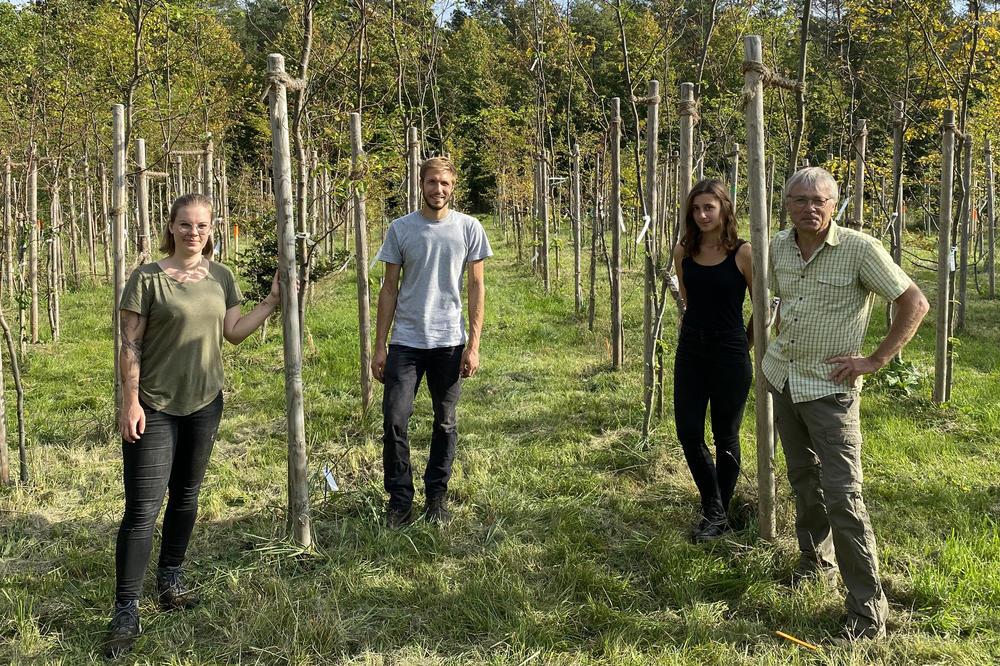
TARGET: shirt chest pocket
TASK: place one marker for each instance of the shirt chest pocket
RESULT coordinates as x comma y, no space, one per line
833,285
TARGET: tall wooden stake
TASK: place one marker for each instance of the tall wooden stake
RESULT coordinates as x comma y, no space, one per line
685,168
143,248
118,203
8,228
298,489
617,333
944,259
964,222
33,222
990,217
759,233
650,260
575,210
543,192
413,168
361,259
860,143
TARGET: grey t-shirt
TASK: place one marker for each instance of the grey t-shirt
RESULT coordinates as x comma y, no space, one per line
433,256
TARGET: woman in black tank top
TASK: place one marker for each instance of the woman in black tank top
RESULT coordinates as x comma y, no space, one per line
712,364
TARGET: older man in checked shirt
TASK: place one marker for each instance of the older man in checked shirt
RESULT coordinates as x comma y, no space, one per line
827,278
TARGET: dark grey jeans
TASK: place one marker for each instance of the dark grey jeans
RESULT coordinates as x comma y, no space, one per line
172,454
404,368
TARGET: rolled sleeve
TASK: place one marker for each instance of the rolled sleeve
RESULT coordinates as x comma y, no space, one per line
880,275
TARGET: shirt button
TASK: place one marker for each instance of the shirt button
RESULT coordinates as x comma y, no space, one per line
796,319
801,276
800,298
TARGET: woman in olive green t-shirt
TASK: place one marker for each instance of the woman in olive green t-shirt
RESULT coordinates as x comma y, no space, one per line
174,314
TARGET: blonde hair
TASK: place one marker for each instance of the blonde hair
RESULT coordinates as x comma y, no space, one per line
167,241
437,164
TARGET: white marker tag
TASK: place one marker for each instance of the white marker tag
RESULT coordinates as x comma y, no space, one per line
842,209
330,482
645,228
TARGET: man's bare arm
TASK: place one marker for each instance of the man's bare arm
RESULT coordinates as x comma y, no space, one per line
384,314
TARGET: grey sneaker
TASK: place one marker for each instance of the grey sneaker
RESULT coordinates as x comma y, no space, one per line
171,591
396,517
437,510
124,629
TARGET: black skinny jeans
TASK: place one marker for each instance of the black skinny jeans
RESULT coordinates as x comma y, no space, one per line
712,367
172,454
404,367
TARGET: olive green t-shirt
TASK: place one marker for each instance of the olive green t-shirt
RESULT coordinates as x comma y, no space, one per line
181,367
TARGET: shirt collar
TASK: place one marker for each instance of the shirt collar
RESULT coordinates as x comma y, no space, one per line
832,235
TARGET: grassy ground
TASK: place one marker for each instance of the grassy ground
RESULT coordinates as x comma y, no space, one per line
570,544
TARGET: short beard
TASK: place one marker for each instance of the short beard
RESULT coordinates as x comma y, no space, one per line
432,206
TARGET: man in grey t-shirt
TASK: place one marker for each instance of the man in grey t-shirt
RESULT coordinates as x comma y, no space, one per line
431,247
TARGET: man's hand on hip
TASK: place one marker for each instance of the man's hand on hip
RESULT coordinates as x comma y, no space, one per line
470,361
378,364
849,368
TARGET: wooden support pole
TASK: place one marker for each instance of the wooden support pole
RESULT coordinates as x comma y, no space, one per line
990,217
734,175
898,126
575,208
8,228
860,144
361,260
74,245
944,259
118,203
54,256
965,220
179,189
759,235
413,168
143,247
33,221
543,193
105,223
208,177
650,258
298,489
617,332
686,110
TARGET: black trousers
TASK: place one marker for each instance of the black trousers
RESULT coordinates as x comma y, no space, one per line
404,368
712,367
172,454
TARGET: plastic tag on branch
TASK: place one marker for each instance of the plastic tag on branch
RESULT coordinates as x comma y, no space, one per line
621,222
645,228
842,209
951,258
775,304
674,282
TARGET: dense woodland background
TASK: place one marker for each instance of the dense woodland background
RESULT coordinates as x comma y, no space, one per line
488,83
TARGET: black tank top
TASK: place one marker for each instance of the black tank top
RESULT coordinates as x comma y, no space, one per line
714,294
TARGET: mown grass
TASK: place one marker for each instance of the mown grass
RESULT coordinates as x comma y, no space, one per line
570,543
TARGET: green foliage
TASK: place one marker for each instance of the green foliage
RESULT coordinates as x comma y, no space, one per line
899,379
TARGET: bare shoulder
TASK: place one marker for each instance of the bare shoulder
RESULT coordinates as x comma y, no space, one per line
678,252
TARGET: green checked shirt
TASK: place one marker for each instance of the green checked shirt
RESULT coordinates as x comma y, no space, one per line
826,303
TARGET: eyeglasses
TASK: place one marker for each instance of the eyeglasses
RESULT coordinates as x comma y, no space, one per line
802,202
200,230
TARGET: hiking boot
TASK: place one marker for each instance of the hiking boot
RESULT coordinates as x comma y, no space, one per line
396,517
124,629
437,510
710,529
859,631
171,591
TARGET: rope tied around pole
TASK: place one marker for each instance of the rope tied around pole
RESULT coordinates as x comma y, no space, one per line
282,78
689,108
952,127
768,79
655,99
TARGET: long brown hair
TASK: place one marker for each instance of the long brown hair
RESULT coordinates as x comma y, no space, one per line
167,242
692,232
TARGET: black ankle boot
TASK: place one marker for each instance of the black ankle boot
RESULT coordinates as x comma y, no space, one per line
171,591
124,629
